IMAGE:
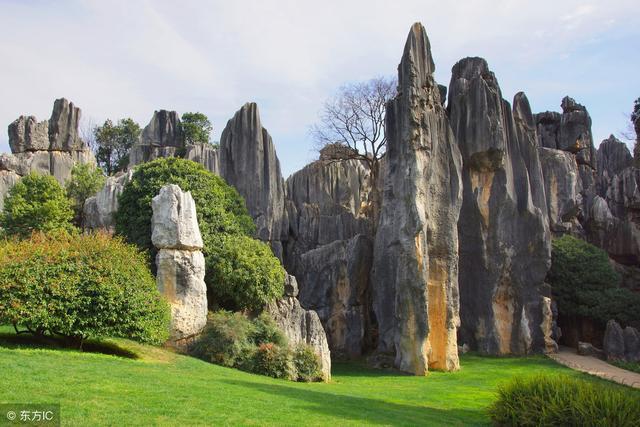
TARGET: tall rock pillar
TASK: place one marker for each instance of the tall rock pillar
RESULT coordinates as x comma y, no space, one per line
415,273
179,261
504,236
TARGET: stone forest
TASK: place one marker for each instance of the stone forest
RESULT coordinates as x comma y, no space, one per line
454,251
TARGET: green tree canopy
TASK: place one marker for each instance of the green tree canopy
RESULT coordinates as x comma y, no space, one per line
240,271
196,128
85,181
36,203
113,143
585,284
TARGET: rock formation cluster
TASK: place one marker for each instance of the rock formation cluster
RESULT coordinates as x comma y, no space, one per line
50,147
180,262
473,190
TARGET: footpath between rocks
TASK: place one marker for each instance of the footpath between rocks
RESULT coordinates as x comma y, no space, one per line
568,357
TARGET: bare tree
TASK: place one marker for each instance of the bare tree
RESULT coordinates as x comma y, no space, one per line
351,126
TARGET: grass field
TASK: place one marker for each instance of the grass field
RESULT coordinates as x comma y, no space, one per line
163,388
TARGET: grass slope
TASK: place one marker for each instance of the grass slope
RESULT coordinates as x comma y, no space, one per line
162,388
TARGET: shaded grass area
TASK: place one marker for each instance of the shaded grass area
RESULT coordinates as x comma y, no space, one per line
158,387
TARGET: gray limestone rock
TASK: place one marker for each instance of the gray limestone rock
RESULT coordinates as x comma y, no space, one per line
302,326
335,283
548,129
248,161
613,342
205,154
613,156
26,134
587,349
99,210
180,278
7,180
631,344
174,222
291,286
180,263
562,189
415,272
63,127
162,137
505,243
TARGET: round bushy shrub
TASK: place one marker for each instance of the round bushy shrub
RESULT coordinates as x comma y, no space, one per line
36,203
307,364
243,273
585,284
80,286
219,207
86,180
274,361
562,400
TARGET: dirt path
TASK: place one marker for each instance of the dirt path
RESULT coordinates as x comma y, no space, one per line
568,357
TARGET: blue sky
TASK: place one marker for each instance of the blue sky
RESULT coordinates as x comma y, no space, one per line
128,58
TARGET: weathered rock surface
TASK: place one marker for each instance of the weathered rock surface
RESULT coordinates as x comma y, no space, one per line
613,156
174,223
631,344
504,236
248,161
562,189
99,210
302,326
329,249
587,349
613,343
162,137
180,263
50,147
205,154
415,274
336,286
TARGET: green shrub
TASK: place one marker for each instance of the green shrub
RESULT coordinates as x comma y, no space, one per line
227,340
274,361
307,364
242,273
85,181
36,203
266,330
219,207
80,286
563,401
585,284
254,345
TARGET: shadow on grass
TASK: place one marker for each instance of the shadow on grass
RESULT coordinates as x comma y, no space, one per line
13,340
367,410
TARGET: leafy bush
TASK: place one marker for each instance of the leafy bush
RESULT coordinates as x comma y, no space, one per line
274,361
307,364
80,286
196,128
258,346
219,207
240,272
243,273
36,203
563,401
585,284
85,181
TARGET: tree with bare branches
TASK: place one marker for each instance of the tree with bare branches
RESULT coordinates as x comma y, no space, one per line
351,126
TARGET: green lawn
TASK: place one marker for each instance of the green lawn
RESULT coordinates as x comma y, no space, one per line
162,388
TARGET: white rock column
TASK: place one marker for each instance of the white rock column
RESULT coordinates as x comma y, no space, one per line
180,262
